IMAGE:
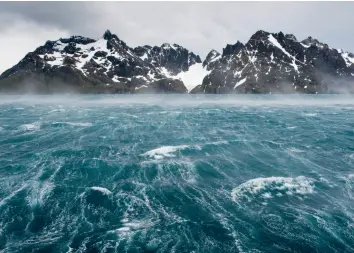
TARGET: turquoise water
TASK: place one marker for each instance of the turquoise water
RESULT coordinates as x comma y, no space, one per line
176,173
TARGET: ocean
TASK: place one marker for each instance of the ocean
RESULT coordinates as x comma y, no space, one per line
177,173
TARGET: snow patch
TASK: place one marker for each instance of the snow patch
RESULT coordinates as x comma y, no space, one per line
144,57
151,75
215,58
166,73
240,82
115,79
142,86
194,76
277,44
348,60
305,46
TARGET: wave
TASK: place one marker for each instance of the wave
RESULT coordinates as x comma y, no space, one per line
31,127
295,150
216,143
164,151
134,225
105,191
310,114
81,124
167,151
57,110
271,187
39,192
4,200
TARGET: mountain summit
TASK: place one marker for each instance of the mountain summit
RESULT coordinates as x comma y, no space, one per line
267,63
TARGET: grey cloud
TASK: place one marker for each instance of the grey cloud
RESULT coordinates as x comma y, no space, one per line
64,15
198,26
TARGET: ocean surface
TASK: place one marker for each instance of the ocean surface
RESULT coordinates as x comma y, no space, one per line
169,173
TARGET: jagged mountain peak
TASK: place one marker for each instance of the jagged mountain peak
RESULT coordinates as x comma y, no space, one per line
268,62
290,37
262,35
259,34
232,49
109,36
168,46
77,39
213,52
107,63
310,41
277,62
212,55
210,59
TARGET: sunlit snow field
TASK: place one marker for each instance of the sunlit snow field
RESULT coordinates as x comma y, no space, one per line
177,173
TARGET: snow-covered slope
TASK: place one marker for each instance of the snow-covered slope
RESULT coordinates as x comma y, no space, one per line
268,62
348,57
194,76
104,65
278,63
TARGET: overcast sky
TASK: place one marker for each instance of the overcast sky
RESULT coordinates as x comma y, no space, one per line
198,26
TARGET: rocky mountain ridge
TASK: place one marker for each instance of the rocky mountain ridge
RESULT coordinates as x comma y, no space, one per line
267,63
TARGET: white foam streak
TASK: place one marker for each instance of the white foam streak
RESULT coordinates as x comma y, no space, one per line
269,187
81,124
105,191
4,200
31,127
164,151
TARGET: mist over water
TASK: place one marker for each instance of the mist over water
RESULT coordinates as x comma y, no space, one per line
184,100
177,173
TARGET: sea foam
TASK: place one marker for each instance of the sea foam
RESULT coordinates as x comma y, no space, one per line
164,151
79,124
31,127
270,187
105,191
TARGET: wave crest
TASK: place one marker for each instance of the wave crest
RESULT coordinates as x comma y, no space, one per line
80,124
104,191
164,151
31,127
270,187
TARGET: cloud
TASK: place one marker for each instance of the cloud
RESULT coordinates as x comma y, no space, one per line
198,26
23,37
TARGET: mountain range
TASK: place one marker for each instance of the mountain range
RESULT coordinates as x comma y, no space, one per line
267,63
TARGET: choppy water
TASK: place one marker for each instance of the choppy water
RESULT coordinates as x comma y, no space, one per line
177,174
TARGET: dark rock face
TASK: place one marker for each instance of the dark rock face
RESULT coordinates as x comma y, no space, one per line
209,62
107,65
278,63
267,63
173,58
232,49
